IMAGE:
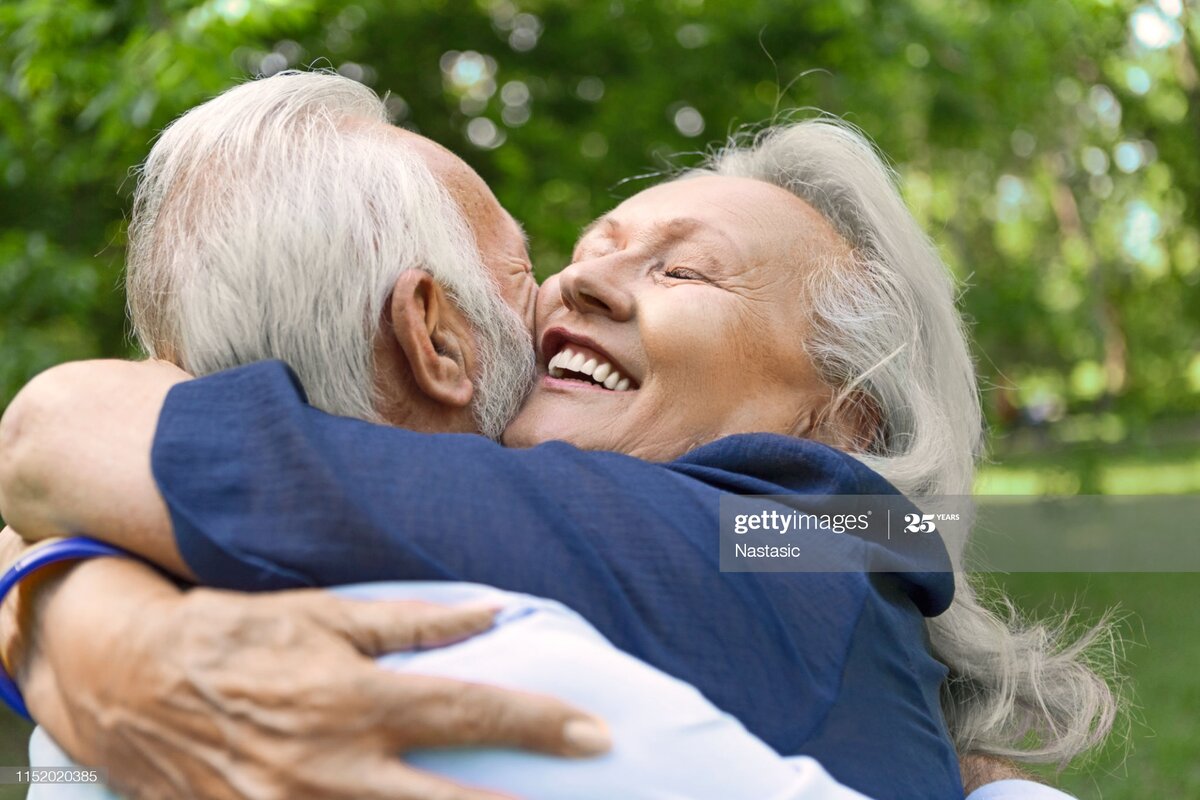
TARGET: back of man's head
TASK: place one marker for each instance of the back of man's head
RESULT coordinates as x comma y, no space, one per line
273,221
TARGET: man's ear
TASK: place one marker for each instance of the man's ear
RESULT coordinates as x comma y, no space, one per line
434,336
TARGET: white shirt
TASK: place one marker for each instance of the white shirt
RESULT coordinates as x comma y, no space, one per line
669,742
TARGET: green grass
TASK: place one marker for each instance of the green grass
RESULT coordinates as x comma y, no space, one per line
14,735
1162,642
1162,655
1169,467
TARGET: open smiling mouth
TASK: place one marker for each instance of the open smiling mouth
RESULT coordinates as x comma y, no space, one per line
579,364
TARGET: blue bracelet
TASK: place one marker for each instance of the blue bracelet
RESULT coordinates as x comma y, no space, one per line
73,549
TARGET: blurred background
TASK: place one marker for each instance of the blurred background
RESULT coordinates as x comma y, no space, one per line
1049,147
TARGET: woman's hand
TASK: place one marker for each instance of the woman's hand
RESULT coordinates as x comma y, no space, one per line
221,695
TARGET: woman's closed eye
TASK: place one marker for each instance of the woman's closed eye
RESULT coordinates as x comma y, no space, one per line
683,274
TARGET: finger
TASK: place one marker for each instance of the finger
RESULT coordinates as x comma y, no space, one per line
391,779
427,711
376,627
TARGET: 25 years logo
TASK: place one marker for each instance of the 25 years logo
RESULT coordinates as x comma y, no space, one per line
925,523
919,523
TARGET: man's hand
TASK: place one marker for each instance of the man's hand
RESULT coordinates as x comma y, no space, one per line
220,695
75,456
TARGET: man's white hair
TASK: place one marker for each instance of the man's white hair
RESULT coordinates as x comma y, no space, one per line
886,335
273,222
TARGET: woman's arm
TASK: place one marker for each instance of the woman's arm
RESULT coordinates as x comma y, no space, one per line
674,742
201,693
75,457
264,492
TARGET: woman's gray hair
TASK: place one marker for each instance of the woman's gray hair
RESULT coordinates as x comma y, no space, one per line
887,336
273,222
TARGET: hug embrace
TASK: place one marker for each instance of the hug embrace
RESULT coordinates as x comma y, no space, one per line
401,523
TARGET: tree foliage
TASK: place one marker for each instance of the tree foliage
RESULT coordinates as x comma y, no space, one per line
1049,147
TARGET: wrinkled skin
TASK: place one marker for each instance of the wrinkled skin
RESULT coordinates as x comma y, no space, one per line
291,673
694,291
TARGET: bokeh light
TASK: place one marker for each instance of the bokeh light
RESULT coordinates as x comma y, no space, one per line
688,121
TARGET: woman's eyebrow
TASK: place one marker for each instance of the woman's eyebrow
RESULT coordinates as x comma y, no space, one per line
666,233
672,230
679,230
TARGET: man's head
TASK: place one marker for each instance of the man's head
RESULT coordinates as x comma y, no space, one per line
287,219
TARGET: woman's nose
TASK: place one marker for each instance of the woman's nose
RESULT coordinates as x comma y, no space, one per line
595,287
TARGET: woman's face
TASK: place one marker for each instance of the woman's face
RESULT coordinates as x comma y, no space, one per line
681,319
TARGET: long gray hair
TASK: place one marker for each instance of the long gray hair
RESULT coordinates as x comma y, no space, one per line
888,338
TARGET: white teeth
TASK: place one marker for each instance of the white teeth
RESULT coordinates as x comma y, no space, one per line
601,372
559,362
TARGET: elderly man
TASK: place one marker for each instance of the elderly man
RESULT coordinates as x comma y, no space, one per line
222,252
418,330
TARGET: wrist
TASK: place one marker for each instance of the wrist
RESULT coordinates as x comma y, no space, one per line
38,568
90,628
17,611
101,604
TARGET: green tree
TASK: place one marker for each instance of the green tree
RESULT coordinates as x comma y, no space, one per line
1049,148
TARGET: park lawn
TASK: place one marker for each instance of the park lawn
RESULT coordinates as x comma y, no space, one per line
1165,467
14,736
1162,650
1162,655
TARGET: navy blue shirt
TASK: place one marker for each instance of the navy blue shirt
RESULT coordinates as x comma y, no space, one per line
266,492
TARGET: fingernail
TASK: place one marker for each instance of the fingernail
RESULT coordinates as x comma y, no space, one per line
482,605
490,610
587,737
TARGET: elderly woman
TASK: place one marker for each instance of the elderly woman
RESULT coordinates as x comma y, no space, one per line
773,324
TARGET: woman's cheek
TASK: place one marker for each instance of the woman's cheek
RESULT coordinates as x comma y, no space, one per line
692,333
698,361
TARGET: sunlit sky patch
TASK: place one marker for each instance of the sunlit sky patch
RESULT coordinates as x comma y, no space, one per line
1153,27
